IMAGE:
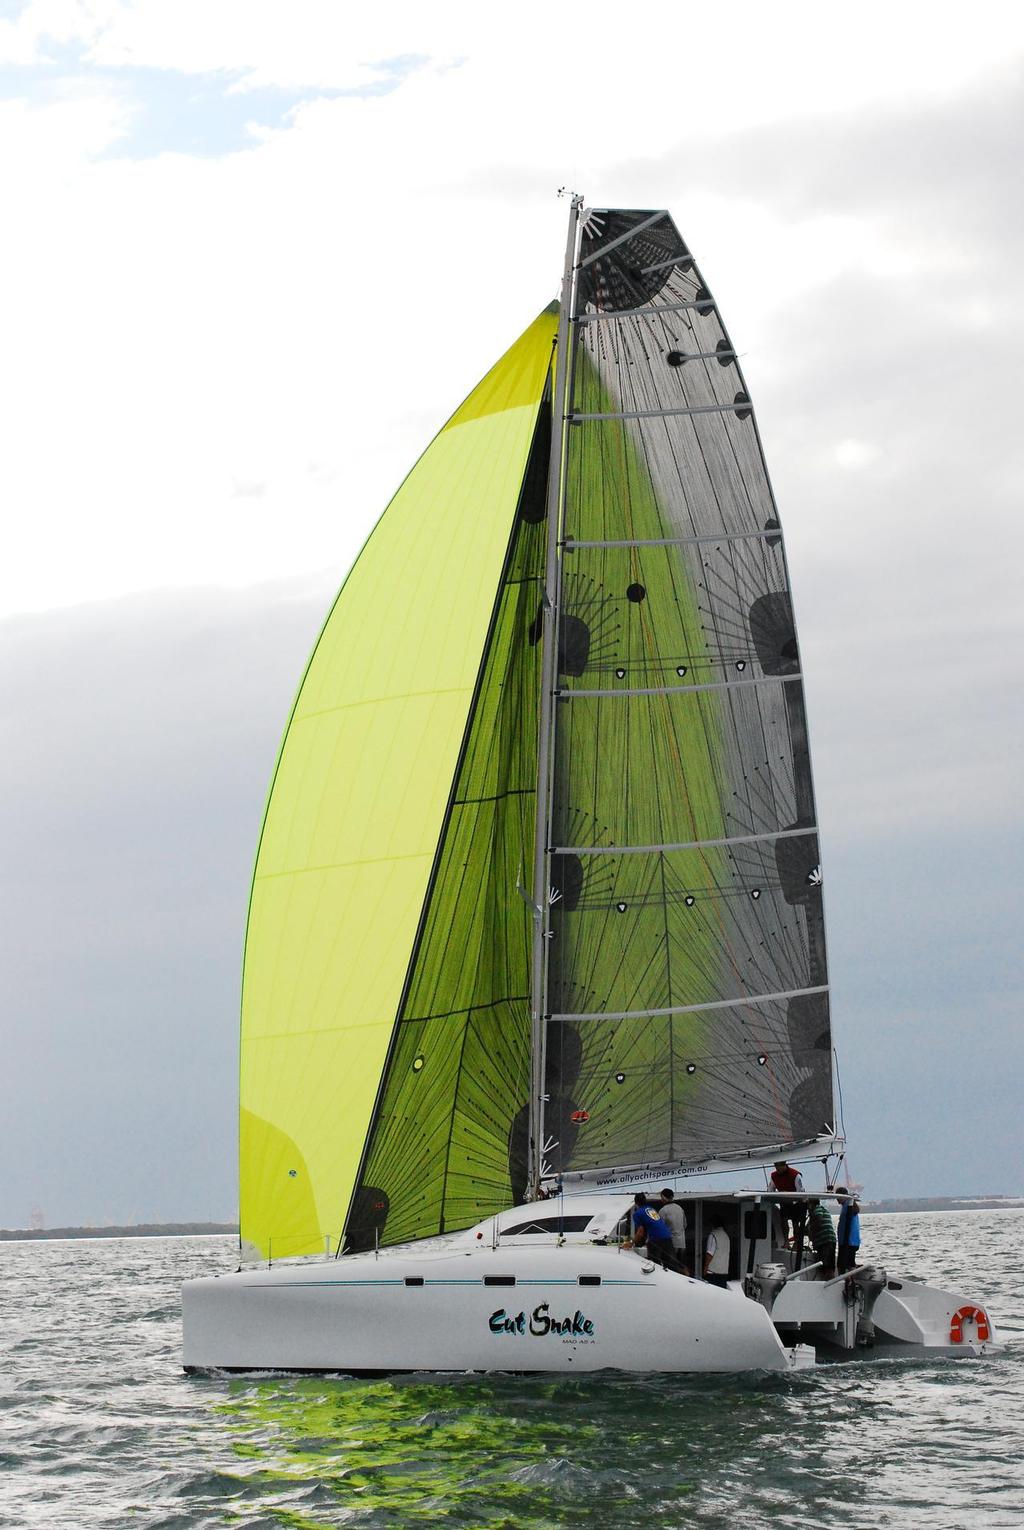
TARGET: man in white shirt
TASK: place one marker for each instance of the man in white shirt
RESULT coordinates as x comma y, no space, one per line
673,1215
716,1255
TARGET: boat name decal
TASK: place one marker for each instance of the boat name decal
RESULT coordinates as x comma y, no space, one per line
540,1323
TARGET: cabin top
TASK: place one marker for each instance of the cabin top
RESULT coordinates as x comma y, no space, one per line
594,1216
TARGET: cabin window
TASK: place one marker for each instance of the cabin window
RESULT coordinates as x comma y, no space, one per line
499,1280
547,1225
589,1280
414,1280
755,1224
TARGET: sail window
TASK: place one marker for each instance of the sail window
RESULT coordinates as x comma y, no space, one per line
622,907
691,1067
761,1059
620,674
755,893
554,1225
636,593
680,670
689,900
620,1078
741,665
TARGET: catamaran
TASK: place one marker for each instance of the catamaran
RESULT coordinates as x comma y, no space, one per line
536,918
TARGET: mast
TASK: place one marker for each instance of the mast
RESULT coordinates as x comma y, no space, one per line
548,702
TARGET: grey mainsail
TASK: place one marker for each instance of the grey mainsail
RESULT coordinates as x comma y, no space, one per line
686,979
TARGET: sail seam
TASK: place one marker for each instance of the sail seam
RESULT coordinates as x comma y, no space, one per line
689,1009
334,1030
370,701
372,860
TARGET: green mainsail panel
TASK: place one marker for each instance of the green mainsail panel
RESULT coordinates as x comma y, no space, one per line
447,1146
686,980
350,840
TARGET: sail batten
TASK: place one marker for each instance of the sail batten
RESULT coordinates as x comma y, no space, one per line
693,844
737,406
691,1009
772,534
624,692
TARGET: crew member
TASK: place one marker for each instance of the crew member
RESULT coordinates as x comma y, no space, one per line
794,1213
657,1234
823,1237
716,1255
674,1217
849,1229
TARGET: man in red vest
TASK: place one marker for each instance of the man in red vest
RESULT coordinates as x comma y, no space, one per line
794,1213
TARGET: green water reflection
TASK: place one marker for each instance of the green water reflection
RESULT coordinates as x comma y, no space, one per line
487,1450
411,1451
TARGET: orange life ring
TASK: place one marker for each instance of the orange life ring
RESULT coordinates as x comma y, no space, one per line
967,1314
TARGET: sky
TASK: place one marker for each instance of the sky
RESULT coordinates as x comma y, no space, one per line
254,255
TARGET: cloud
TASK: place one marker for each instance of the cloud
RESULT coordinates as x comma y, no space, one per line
201,317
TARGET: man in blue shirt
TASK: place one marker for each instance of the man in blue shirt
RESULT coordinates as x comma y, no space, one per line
657,1234
848,1231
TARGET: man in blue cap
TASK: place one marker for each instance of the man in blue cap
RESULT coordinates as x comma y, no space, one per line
657,1234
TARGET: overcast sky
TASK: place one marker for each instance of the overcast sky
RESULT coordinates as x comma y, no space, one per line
254,254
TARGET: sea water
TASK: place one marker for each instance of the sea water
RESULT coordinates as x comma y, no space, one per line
99,1426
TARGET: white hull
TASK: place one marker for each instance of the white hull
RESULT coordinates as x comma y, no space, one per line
359,1315
547,1288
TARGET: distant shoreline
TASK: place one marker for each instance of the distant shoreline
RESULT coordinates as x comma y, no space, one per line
210,1229
138,1230
948,1203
